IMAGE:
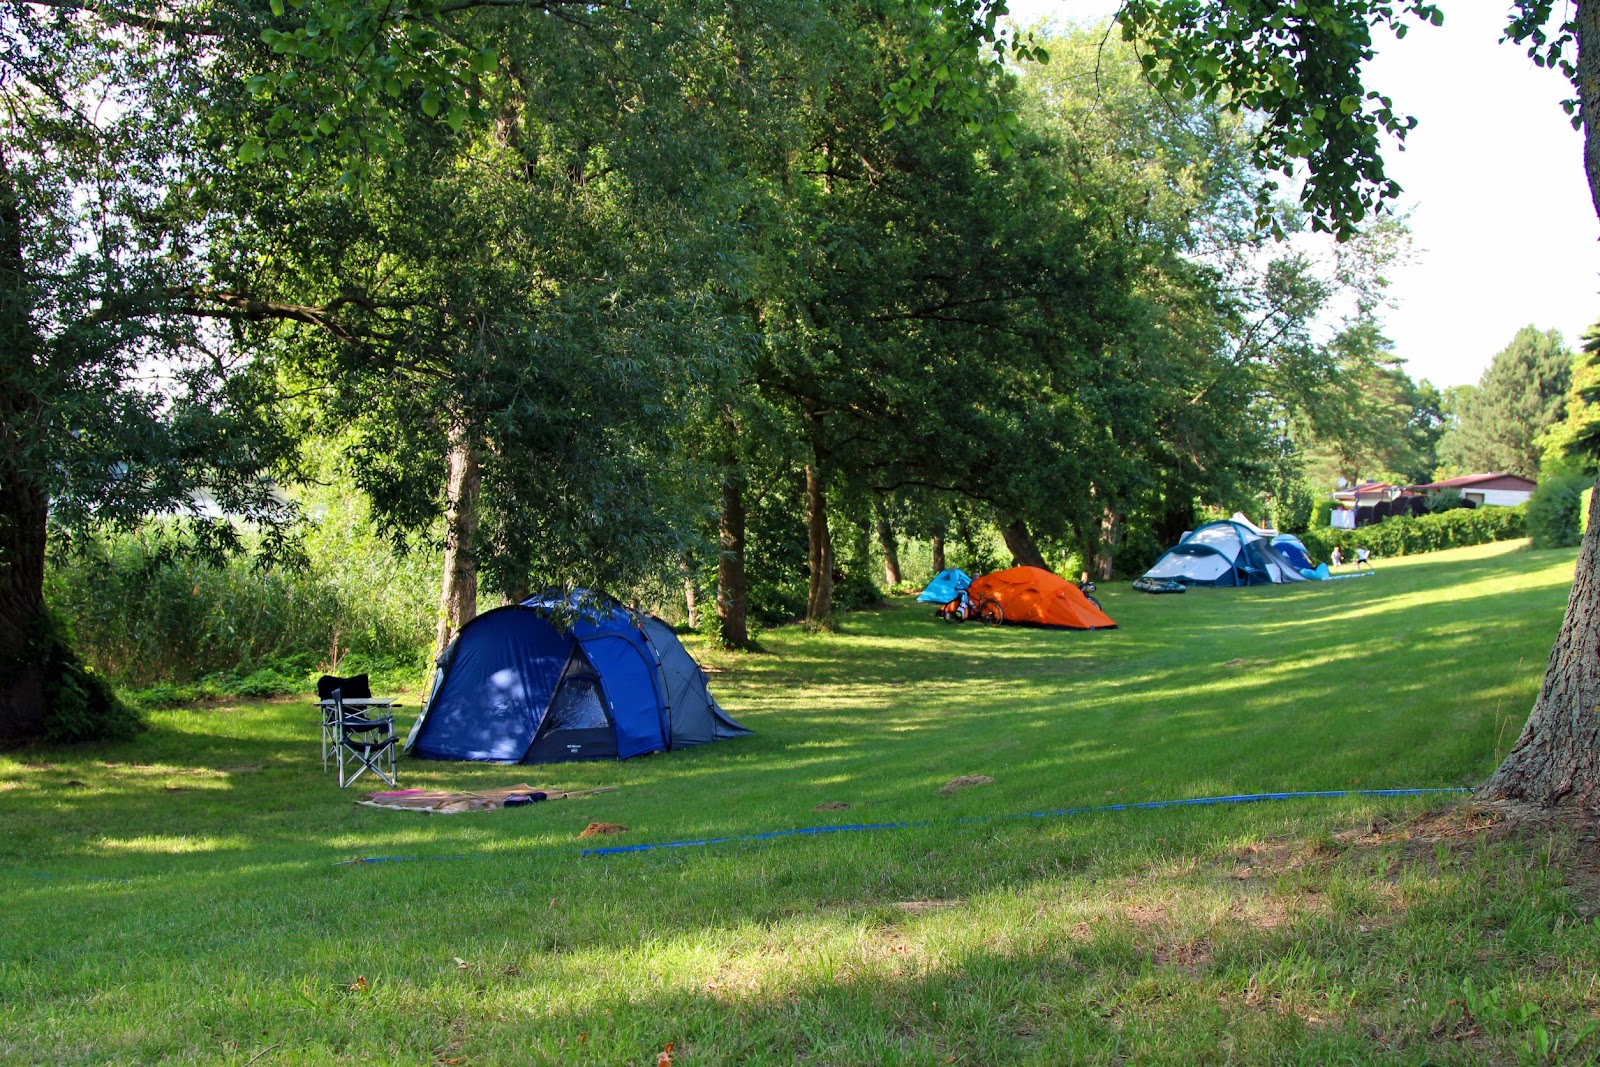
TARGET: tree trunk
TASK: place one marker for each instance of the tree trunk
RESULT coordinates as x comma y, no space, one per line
891,552
691,599
22,663
1105,554
732,590
938,553
23,503
819,546
458,592
1024,553
1586,20
1557,758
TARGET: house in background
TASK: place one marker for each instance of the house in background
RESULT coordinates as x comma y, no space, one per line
1492,490
1353,506
1369,502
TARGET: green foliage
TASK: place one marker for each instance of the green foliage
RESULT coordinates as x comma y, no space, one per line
1373,422
1555,511
1501,424
1407,535
147,617
81,705
1447,499
856,590
1572,446
1321,514
1293,505
1302,67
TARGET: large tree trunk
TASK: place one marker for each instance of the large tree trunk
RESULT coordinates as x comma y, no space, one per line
22,662
23,504
891,552
1024,553
938,553
732,589
458,592
1557,758
819,549
1105,553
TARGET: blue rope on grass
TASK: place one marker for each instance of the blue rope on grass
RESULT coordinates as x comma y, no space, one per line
1098,809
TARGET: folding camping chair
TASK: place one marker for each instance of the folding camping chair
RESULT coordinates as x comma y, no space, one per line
328,687
361,742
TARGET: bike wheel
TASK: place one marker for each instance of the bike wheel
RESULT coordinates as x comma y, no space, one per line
990,611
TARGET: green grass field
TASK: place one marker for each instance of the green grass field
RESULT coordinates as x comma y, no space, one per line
184,898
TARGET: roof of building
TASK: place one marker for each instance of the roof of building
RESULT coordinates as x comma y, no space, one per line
1370,489
1482,481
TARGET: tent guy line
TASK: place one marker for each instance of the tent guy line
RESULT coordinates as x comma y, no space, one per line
1098,809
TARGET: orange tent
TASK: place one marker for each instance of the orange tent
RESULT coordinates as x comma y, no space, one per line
1035,597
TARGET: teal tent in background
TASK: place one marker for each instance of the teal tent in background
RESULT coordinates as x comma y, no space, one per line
945,587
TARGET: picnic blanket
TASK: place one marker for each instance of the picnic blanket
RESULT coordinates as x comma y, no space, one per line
444,802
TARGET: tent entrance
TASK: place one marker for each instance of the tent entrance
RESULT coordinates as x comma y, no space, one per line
576,726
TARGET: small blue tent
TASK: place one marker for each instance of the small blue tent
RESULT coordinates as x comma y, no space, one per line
1293,549
945,587
1226,552
566,677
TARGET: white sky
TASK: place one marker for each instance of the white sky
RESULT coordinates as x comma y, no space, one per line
1493,174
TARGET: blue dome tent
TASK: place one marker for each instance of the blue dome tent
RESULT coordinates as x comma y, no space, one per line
945,587
566,676
1227,552
1293,549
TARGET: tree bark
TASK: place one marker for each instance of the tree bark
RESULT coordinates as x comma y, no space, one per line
1586,20
23,503
22,668
732,588
938,553
458,592
819,549
1105,554
1024,553
691,597
1556,760
891,552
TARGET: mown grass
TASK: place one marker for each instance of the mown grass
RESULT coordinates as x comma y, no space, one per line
184,898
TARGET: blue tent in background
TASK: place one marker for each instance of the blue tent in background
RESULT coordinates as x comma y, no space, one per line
1293,549
1227,552
566,676
945,587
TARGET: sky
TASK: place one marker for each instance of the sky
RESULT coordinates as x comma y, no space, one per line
1505,234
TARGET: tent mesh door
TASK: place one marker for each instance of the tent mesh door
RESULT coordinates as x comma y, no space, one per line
576,726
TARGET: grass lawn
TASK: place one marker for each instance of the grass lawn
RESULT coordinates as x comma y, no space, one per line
183,898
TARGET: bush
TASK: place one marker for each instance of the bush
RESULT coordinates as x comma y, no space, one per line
81,705
1446,500
1321,514
1406,536
1555,512
143,618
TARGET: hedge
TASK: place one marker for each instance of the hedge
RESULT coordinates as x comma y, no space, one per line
1555,516
1406,536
